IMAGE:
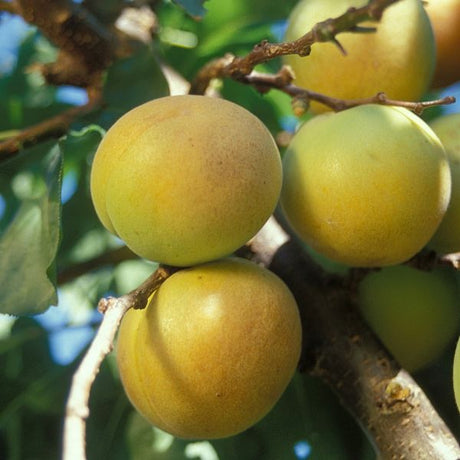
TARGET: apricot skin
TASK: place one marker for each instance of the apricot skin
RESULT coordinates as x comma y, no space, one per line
415,313
213,351
447,237
367,186
399,64
456,374
186,179
445,20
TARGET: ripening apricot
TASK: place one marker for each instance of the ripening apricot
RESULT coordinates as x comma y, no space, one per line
367,186
445,20
456,374
213,351
397,59
415,313
186,179
447,237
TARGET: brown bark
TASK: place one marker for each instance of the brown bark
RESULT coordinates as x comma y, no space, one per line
86,47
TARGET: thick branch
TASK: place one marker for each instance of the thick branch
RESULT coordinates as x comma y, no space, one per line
86,46
112,257
341,350
52,128
238,67
77,410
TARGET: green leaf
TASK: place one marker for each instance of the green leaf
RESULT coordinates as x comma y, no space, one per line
33,394
83,236
193,7
134,80
30,242
107,11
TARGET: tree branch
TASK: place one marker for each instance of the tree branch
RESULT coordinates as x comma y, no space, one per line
112,257
77,410
52,128
86,46
238,67
263,82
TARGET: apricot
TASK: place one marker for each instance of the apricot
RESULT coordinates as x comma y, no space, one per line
415,313
367,186
447,237
456,374
186,179
445,20
213,351
397,59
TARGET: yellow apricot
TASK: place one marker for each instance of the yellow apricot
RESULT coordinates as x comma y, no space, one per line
456,374
415,313
397,59
213,351
445,20
367,186
186,179
447,237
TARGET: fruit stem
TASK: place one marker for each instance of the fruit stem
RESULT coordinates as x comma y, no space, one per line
77,408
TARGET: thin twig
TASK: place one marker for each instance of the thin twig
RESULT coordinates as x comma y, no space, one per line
264,82
237,67
77,410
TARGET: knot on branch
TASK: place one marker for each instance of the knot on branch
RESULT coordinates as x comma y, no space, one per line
396,398
76,411
376,9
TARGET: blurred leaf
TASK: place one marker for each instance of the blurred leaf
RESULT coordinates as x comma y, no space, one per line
256,103
193,7
134,80
30,242
83,236
147,442
130,274
33,394
26,99
234,36
109,416
107,11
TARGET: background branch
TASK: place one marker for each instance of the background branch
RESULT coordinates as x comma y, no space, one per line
54,127
264,82
112,257
86,46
